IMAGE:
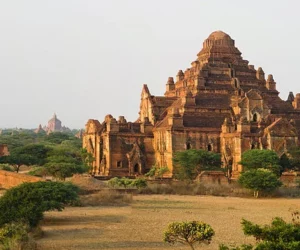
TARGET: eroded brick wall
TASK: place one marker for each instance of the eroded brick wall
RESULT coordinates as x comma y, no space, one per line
10,179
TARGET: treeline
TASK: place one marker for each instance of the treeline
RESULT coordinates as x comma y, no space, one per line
57,154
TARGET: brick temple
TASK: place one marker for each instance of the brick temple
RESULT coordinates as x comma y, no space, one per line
221,104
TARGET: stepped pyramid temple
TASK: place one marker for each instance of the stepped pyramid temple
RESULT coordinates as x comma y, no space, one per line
221,104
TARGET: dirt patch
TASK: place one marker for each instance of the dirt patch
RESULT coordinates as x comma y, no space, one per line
141,225
87,183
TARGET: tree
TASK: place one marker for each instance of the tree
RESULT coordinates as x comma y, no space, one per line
65,160
257,158
280,235
62,170
31,154
28,202
189,233
189,163
57,137
259,180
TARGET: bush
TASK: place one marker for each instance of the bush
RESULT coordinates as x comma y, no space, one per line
15,235
125,182
189,233
6,167
30,200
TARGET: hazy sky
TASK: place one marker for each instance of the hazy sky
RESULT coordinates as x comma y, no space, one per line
84,59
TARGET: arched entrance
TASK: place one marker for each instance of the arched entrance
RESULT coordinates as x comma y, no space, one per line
136,169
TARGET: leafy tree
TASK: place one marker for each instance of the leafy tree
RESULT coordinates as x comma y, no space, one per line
31,154
259,180
87,157
189,233
28,202
57,137
257,158
189,163
65,160
62,170
280,235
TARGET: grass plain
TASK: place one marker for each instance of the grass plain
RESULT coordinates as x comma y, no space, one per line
140,225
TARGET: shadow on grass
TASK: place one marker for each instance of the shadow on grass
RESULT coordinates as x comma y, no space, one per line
106,245
81,219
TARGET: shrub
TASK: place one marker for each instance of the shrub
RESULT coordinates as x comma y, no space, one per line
125,182
189,233
15,235
6,167
30,200
157,172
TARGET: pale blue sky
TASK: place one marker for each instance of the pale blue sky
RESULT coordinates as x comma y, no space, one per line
84,59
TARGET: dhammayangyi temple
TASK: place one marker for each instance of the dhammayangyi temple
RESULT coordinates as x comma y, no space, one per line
221,104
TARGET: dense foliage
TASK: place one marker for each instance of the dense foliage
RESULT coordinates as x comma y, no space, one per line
259,180
57,154
189,163
28,202
280,235
157,172
189,233
31,154
126,183
257,158
14,235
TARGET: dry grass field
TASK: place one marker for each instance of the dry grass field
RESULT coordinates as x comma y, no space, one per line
140,225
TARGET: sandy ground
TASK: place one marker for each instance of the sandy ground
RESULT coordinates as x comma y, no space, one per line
141,225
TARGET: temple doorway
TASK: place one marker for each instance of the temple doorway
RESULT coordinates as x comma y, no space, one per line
136,169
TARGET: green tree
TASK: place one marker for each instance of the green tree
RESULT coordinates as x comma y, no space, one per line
259,180
31,154
64,160
189,233
62,170
57,137
189,163
28,202
280,235
256,158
